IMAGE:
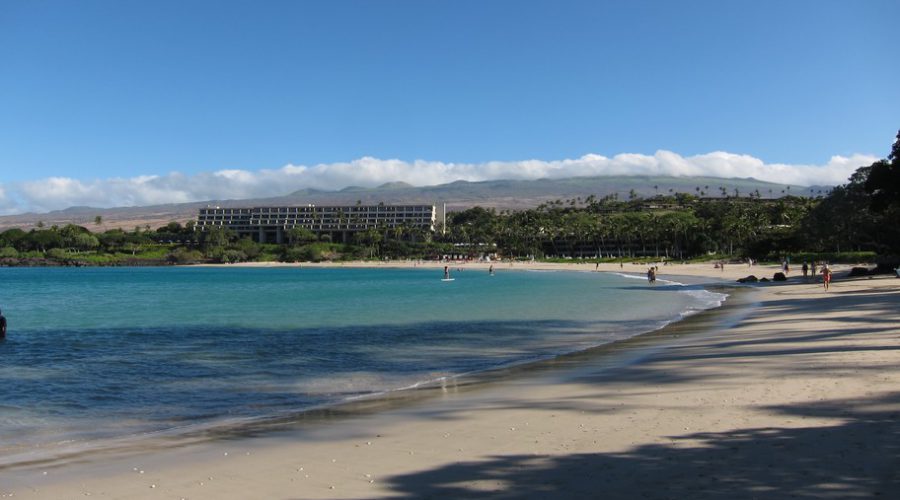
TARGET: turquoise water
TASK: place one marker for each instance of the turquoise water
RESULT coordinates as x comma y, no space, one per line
98,353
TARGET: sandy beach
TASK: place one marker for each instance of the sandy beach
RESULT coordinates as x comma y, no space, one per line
788,391
707,271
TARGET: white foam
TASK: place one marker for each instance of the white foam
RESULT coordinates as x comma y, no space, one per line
705,298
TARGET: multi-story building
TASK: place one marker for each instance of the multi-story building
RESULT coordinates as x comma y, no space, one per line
270,224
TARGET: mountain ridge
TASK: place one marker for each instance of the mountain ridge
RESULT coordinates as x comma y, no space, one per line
457,195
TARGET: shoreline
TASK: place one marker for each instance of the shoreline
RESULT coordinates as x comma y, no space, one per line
612,353
705,271
801,366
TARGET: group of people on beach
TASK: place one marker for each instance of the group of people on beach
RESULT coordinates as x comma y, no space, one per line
810,271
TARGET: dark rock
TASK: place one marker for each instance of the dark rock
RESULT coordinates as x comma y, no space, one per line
748,279
860,271
764,280
888,266
779,277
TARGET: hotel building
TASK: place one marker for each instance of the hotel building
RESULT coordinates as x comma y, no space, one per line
270,224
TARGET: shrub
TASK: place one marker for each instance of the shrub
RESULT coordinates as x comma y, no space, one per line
314,252
184,256
57,254
294,254
231,256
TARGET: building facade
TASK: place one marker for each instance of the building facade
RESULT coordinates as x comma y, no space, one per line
270,224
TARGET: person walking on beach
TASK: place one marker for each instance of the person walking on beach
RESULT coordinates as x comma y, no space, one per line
826,276
805,269
2,326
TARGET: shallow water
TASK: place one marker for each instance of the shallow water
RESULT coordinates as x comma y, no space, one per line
99,353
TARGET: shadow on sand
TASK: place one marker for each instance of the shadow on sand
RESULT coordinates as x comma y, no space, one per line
858,457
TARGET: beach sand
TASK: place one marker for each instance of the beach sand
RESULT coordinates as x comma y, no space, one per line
789,391
707,271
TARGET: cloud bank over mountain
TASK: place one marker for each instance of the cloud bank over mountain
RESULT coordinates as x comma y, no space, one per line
56,193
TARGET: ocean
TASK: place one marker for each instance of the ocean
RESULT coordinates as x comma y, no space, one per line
98,354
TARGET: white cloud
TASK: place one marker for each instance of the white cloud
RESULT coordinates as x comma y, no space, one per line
63,192
7,205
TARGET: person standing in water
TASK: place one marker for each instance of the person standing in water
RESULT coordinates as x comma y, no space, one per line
2,326
446,272
491,270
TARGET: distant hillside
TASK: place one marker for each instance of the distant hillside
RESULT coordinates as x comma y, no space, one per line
500,194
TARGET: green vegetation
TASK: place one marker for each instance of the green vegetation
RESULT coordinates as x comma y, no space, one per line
858,221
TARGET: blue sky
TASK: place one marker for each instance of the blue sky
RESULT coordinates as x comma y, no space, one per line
108,103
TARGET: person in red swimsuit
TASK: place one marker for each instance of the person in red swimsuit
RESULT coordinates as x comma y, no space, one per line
826,275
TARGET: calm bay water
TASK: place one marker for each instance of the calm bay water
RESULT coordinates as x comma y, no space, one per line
95,353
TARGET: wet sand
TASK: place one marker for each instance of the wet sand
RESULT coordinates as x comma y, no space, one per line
790,391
